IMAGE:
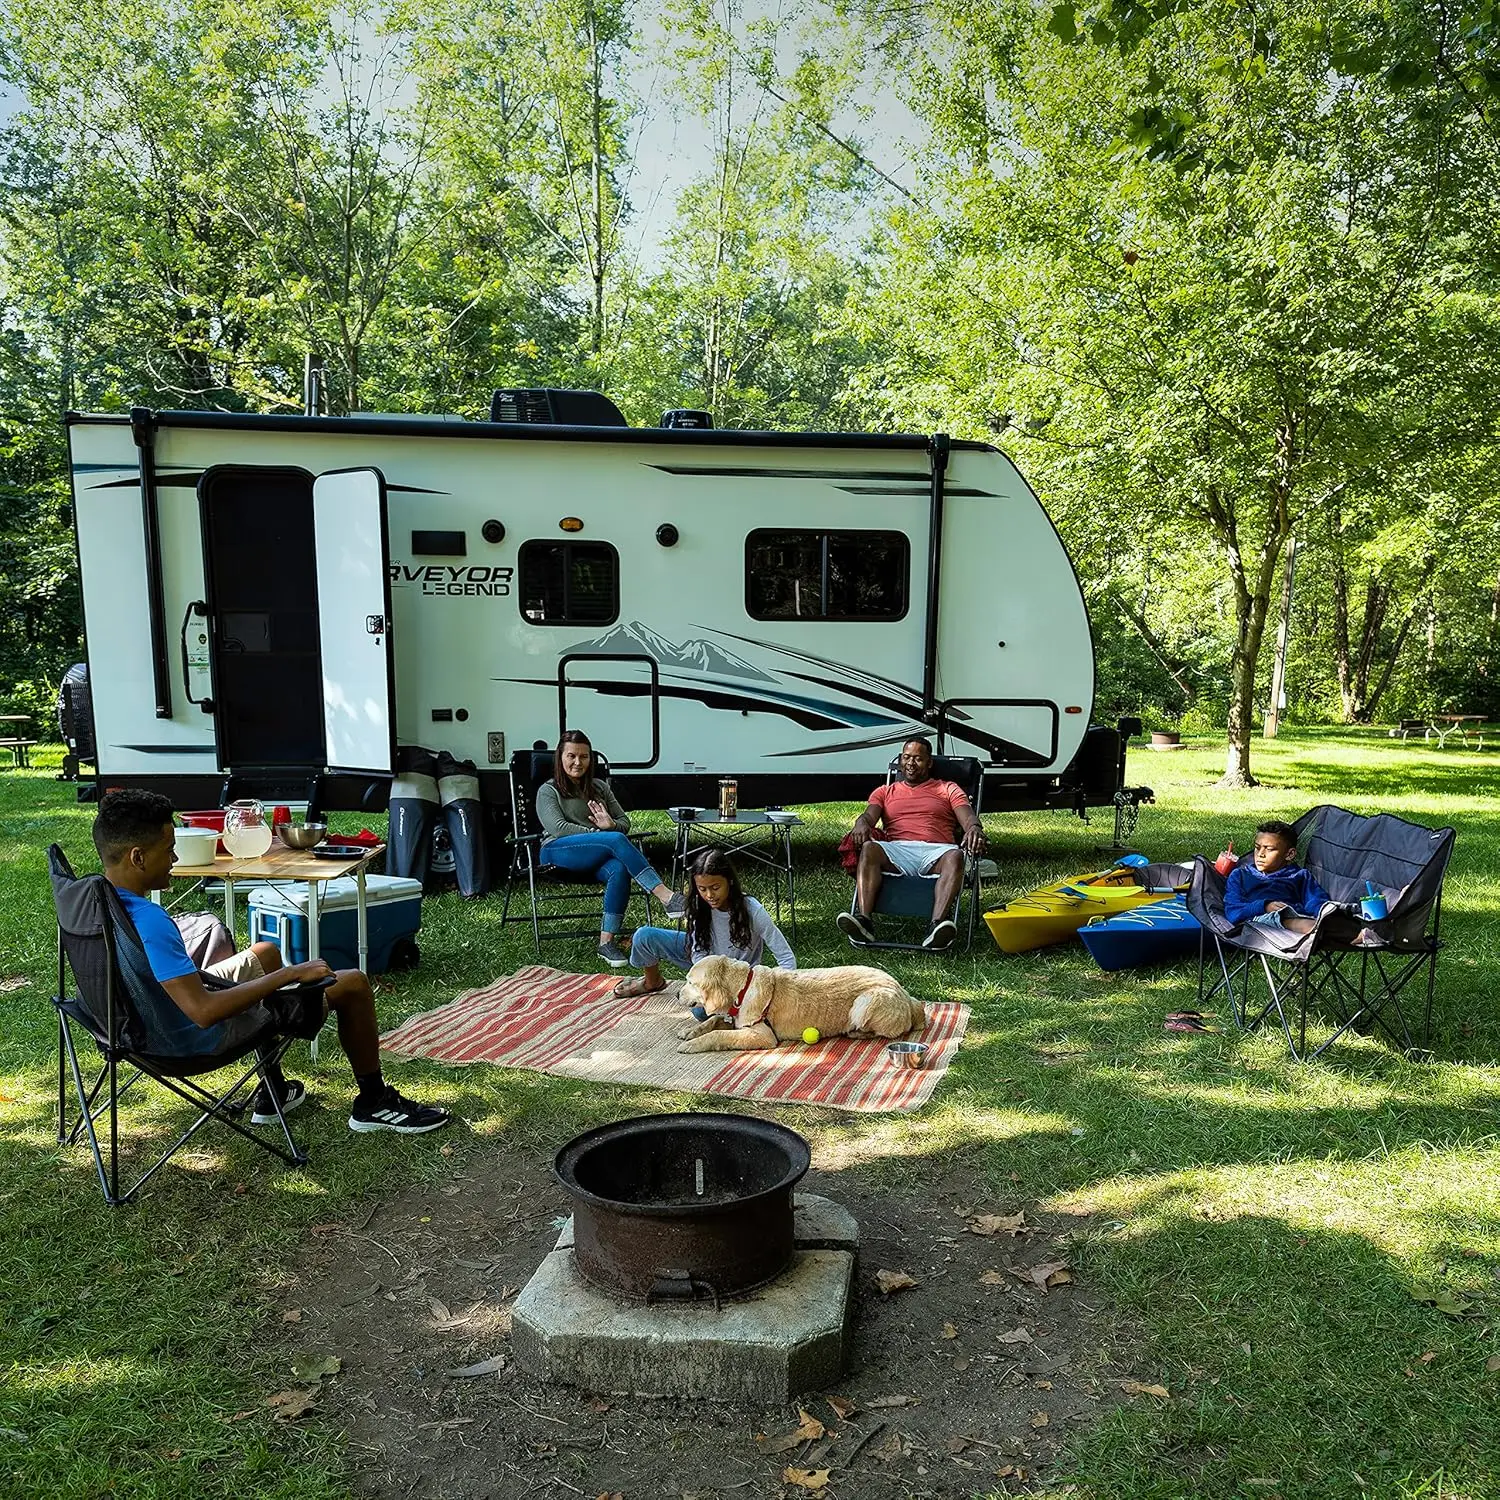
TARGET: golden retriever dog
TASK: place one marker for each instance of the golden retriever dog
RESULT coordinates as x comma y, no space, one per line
757,1008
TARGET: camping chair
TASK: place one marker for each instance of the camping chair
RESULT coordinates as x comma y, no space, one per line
910,896
553,895
116,996
1358,984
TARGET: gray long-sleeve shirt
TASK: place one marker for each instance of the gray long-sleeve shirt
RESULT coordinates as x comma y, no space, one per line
764,933
560,816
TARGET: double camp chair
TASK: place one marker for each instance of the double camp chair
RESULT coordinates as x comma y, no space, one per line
909,897
114,999
552,895
1359,982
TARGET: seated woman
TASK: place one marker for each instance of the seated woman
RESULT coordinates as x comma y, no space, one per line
721,919
584,830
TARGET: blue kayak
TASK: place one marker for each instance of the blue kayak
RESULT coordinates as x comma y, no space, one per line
1159,933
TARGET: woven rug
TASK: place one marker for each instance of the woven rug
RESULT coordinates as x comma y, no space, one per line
574,1026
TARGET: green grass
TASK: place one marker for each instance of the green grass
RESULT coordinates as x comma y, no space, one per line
1263,1225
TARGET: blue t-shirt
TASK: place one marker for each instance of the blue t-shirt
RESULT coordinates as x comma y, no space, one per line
171,1029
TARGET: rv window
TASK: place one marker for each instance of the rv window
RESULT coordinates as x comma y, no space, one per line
569,583
826,575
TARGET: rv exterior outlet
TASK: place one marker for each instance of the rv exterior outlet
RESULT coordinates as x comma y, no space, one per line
666,534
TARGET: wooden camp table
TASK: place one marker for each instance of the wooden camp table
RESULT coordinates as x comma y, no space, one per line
18,745
279,864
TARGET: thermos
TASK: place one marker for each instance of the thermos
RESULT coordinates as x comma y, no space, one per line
729,804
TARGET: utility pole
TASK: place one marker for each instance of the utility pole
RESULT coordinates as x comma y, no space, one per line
1283,631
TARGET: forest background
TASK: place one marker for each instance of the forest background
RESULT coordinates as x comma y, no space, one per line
1220,275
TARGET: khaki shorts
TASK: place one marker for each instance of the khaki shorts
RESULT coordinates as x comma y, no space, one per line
239,969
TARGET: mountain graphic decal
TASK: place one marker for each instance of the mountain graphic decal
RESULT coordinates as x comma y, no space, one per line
637,639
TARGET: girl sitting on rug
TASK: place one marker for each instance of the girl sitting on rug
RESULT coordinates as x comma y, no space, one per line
721,919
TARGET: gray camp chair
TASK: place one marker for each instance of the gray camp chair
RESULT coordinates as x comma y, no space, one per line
909,897
112,1003
1358,985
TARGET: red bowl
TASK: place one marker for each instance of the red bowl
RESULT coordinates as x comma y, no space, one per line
212,817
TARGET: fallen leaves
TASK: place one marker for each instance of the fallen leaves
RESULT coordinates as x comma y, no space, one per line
289,1405
806,1479
808,1430
949,1331
1135,1388
1040,1419
993,1278
1052,1273
1016,1336
491,1366
292,1315
1440,1298
885,1403
842,1409
989,1224
894,1281
310,1367
1492,1364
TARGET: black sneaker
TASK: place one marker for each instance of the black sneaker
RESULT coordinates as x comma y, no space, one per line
856,925
942,935
263,1111
677,906
614,955
388,1110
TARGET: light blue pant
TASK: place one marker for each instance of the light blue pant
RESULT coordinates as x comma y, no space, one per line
650,945
607,857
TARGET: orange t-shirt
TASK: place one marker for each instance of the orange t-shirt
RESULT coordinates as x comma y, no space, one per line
920,814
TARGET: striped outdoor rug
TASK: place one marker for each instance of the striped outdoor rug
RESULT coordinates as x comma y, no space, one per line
572,1025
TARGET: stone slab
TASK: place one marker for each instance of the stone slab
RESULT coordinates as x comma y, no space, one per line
818,1224
787,1337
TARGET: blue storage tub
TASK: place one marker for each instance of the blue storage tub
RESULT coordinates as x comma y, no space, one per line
393,908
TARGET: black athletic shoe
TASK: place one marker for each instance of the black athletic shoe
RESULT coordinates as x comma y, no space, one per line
263,1111
614,955
677,906
942,935
388,1110
856,925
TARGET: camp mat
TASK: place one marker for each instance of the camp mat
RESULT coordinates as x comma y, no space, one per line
574,1025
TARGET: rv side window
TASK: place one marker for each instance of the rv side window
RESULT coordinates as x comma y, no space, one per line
826,575
569,583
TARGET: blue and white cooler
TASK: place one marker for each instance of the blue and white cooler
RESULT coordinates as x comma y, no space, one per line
393,910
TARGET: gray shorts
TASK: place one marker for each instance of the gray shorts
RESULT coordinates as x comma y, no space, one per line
911,858
283,1009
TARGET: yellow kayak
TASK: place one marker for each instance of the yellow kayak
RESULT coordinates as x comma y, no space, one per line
1053,913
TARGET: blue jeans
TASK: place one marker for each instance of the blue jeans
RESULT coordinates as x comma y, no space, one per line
607,857
650,945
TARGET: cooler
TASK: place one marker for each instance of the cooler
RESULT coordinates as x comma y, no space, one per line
393,908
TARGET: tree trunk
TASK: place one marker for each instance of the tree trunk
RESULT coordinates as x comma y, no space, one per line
1174,669
1283,633
1340,608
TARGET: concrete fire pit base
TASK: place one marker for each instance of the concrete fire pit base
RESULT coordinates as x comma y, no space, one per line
787,1337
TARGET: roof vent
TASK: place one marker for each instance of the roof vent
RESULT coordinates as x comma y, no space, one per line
568,408
682,417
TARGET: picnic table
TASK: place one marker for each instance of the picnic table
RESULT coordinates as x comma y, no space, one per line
1444,725
18,745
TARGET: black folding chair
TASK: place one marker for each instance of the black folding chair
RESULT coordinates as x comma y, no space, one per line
1360,983
552,895
910,896
116,994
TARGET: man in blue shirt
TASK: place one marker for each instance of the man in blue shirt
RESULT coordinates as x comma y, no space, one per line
134,836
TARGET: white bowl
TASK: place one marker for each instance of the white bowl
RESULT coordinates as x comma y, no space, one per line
782,817
194,846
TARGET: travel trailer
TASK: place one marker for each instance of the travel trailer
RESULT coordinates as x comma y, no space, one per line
273,601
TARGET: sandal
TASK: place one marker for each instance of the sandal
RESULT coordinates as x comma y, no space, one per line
630,989
1186,1023
1185,1015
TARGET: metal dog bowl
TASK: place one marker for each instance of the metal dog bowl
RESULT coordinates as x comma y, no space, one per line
908,1054
302,835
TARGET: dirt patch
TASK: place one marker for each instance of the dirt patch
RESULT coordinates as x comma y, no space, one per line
968,1382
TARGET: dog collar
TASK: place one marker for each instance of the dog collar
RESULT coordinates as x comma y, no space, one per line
744,990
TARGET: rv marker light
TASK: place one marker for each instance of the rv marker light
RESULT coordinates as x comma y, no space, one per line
1072,708
571,523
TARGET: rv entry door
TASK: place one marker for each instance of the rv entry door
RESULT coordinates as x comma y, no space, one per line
354,614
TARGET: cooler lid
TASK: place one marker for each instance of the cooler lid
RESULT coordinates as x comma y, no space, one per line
337,895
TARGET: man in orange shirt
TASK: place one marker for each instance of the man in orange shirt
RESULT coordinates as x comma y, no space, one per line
928,828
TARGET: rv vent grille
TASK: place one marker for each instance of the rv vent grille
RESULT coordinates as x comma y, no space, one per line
570,408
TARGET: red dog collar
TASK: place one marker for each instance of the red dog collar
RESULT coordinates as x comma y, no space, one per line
744,990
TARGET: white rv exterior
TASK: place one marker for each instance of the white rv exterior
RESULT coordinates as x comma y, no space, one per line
273,597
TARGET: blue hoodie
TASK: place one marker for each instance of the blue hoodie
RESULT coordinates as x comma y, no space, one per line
1248,891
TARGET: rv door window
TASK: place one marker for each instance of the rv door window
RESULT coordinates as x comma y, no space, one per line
569,583
826,575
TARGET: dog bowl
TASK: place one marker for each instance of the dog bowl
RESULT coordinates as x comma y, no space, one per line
908,1054
194,846
780,815
302,835
683,814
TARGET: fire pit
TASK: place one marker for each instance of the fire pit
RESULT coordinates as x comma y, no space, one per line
677,1207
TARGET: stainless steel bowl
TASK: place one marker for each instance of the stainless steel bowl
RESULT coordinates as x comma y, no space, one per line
302,835
908,1054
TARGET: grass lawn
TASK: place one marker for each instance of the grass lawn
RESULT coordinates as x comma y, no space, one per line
1268,1228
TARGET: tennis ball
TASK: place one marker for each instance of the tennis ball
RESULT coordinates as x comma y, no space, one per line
810,1035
